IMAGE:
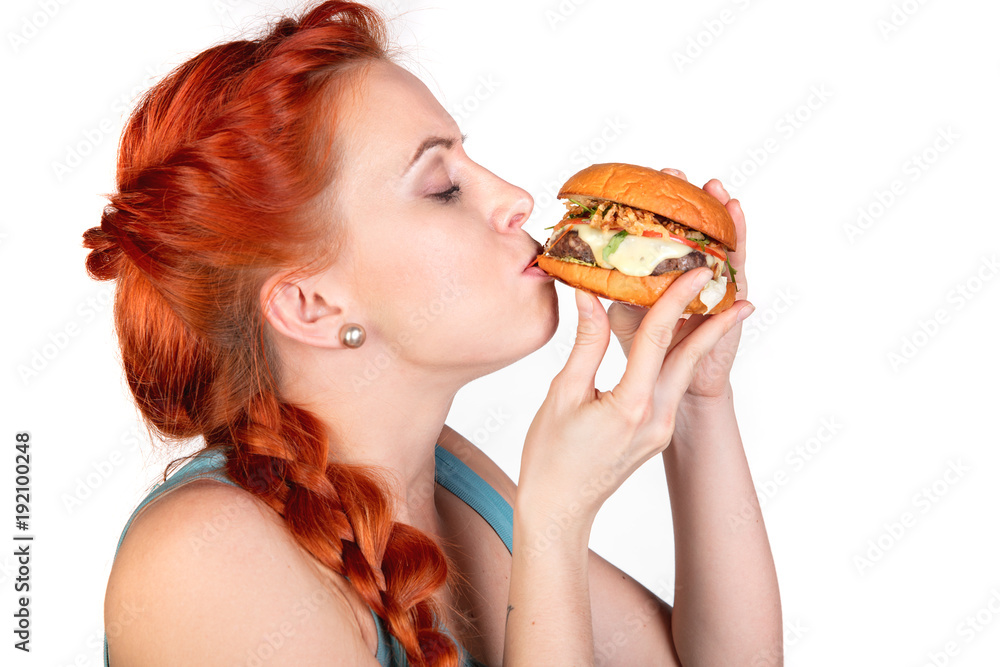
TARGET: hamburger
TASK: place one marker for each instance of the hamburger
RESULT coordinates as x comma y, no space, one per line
630,231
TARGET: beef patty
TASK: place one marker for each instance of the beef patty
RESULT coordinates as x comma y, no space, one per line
572,246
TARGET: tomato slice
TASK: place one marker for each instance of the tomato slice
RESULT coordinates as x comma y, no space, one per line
685,241
697,246
651,234
715,253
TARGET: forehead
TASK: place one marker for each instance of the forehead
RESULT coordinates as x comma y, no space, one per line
390,113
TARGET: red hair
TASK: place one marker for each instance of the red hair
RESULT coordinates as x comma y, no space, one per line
221,171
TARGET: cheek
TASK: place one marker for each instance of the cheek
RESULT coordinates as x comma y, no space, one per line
453,310
443,287
415,290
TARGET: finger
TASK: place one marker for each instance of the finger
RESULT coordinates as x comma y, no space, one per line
688,325
675,172
625,319
715,188
592,335
649,347
738,257
681,365
695,321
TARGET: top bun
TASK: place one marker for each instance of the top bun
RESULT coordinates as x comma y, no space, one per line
656,192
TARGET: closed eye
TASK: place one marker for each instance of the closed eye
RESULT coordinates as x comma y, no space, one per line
448,195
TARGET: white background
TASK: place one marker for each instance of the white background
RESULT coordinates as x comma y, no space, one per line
866,374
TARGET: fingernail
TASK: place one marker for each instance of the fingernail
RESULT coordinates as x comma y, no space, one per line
585,304
745,313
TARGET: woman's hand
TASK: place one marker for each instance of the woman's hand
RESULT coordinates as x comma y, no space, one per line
712,377
584,443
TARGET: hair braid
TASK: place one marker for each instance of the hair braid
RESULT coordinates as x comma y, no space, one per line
219,168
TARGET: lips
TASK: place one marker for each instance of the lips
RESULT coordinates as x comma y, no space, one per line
536,251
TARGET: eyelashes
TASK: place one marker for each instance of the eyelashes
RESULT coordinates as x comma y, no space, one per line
449,195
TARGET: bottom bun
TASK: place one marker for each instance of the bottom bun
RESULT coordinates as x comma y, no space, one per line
617,286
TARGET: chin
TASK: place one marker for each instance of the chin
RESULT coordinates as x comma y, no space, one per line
530,324
542,322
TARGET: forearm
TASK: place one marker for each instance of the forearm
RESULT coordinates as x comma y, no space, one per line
726,608
548,613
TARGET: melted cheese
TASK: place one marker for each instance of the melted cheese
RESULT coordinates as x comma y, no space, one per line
636,256
713,292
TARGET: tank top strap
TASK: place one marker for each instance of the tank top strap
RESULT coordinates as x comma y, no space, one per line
208,463
452,473
392,654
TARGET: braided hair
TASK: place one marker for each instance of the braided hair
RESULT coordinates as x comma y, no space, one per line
220,175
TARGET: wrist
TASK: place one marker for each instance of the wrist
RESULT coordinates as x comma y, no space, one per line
699,417
541,523
708,401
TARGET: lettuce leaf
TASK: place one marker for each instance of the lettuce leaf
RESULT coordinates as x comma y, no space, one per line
613,244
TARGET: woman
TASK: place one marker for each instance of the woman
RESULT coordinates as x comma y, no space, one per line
308,269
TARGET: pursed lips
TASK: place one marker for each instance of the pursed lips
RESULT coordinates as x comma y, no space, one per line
534,255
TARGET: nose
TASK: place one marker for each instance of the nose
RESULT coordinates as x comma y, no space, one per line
514,207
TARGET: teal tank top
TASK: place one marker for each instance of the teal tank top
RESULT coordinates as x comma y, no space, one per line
450,472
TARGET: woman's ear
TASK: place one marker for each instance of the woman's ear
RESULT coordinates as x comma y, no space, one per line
303,309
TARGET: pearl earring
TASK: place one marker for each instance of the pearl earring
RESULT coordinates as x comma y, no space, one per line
352,335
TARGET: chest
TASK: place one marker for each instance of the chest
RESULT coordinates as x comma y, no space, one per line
479,567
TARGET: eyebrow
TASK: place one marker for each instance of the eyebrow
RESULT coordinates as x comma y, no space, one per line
429,143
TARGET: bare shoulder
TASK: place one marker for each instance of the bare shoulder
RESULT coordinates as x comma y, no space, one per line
209,575
479,462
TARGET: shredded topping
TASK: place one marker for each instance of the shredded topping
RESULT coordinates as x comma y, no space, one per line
606,215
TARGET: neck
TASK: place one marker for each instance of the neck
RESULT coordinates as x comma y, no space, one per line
390,419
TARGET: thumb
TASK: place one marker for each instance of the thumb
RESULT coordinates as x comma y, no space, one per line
592,335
